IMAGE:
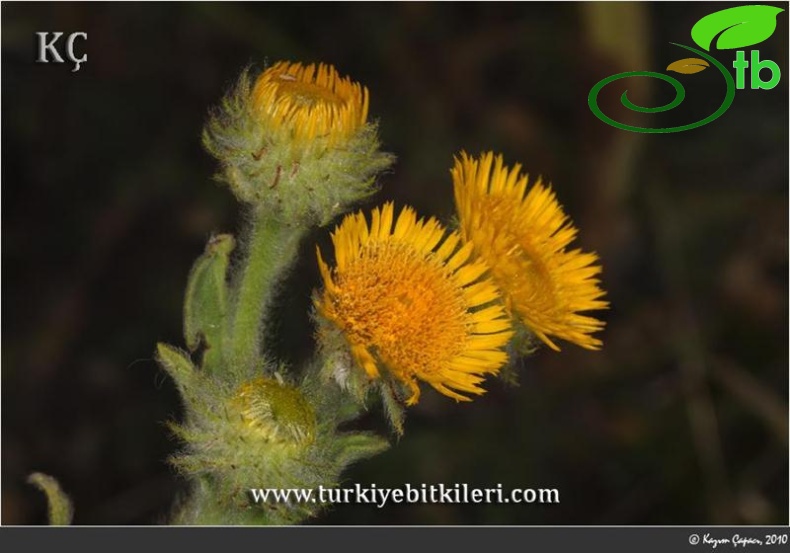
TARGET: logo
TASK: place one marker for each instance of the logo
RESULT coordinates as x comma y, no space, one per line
48,47
730,29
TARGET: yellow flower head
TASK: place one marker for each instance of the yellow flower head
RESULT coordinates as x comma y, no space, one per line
522,235
310,101
414,307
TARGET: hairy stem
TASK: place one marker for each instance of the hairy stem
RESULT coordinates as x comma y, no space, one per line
271,249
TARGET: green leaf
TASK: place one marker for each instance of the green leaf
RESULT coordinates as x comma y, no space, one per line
393,408
61,510
357,446
205,304
176,363
737,27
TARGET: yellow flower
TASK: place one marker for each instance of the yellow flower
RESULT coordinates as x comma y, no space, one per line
413,307
522,235
310,101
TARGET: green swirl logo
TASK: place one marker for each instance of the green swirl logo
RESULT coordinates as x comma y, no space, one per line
732,28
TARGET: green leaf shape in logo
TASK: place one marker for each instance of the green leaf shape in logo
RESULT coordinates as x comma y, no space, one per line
738,27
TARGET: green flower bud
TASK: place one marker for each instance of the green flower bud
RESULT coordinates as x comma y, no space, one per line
296,142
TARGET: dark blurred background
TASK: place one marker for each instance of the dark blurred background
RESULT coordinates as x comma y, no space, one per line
108,197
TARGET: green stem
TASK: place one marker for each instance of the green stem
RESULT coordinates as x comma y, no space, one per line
271,250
